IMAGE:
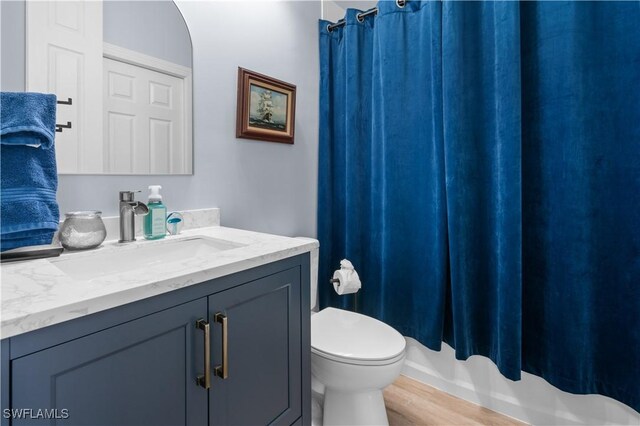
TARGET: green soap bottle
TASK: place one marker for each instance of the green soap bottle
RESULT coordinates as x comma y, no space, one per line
155,222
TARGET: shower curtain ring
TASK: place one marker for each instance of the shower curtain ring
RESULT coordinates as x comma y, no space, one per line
401,3
359,17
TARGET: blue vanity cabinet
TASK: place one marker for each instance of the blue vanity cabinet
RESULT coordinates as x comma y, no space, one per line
260,380
139,363
137,373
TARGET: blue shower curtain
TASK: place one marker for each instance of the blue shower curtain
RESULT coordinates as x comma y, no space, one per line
381,204
480,165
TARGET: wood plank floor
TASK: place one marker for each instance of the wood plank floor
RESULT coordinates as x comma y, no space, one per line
413,403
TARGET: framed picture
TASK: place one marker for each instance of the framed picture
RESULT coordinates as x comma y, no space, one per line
266,108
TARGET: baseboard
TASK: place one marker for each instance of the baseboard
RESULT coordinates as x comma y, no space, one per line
531,400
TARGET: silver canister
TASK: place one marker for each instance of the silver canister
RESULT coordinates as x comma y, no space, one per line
82,230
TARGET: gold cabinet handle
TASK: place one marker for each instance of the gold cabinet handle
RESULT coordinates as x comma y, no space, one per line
205,380
222,370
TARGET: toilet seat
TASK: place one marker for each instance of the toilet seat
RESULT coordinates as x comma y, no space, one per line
353,338
345,360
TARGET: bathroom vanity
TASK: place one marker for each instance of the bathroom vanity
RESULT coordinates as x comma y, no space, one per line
213,329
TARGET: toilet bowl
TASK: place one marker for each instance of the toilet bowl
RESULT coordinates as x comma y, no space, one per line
353,358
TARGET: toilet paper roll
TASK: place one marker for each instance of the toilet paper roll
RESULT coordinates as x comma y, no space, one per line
348,281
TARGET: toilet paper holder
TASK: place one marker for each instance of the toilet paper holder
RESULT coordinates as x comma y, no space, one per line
334,281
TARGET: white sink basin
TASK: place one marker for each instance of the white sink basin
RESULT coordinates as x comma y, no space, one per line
124,259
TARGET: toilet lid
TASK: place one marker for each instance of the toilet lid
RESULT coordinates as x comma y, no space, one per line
353,336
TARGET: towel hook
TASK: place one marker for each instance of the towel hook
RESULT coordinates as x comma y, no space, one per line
60,127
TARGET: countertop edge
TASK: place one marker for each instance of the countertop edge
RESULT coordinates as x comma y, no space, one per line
18,325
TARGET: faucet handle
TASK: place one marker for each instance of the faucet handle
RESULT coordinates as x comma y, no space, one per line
127,195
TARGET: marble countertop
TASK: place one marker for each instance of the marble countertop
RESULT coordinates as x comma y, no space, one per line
37,294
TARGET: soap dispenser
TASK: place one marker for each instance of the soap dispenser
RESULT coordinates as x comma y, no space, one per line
155,222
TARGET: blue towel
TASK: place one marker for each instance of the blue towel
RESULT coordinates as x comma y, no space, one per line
29,179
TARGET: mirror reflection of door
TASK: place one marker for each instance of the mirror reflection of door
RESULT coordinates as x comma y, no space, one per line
127,67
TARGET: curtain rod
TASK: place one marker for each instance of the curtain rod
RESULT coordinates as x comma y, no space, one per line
360,16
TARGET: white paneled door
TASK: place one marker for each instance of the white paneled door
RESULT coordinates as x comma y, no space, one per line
64,56
144,115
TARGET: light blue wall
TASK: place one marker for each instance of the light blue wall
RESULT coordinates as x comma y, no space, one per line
261,186
155,28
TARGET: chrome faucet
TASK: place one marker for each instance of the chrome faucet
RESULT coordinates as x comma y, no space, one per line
129,209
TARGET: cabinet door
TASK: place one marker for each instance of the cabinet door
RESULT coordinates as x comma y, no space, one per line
142,372
263,345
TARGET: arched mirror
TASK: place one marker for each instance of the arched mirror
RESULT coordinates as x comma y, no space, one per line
122,71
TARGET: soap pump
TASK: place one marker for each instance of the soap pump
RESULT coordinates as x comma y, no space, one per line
155,222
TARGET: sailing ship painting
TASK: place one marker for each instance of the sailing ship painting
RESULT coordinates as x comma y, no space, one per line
268,109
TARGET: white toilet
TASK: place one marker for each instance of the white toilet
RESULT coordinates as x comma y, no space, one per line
353,358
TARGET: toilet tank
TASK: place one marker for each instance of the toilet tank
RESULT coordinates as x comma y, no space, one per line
314,253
